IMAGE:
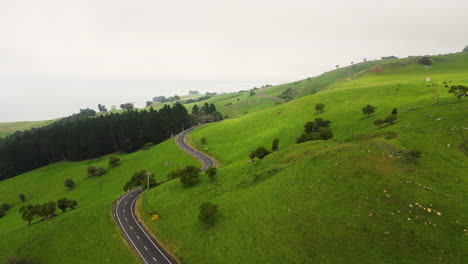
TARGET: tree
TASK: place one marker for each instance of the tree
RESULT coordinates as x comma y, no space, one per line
203,140
174,174
394,111
365,59
69,183
465,49
91,170
102,108
337,66
72,204
368,110
19,260
261,152
426,60
252,155
101,171
189,175
127,106
252,93
275,145
315,126
319,108
211,173
325,133
195,110
114,162
149,103
140,178
62,204
49,209
22,197
27,213
458,90
208,212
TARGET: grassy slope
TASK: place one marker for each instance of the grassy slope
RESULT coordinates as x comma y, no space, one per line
11,127
334,201
87,234
315,84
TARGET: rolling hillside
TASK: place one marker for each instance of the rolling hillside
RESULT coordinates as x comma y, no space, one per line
357,198
87,234
8,128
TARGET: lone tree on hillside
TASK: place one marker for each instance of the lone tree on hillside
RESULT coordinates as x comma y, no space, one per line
207,214
203,140
459,91
465,49
62,204
211,173
189,175
69,183
394,111
319,108
101,171
22,197
368,110
261,152
72,204
114,162
252,93
102,108
275,145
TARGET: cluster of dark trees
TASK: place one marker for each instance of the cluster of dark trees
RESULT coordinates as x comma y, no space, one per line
262,152
3,209
425,60
465,49
47,210
140,178
319,129
84,136
188,175
164,99
199,99
206,114
388,120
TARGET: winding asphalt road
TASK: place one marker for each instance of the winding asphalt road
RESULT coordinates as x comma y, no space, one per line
149,250
205,160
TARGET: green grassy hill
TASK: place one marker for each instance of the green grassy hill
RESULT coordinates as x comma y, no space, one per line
88,233
353,199
8,128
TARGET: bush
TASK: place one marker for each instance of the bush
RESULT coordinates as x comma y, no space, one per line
319,108
189,175
315,126
390,119
174,174
207,214
203,141
261,152
101,171
379,122
22,197
394,111
325,133
19,260
425,61
275,145
148,146
211,173
412,155
69,183
114,162
91,171
4,208
140,178
465,49
317,130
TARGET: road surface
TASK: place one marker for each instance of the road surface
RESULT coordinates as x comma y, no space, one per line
205,160
147,248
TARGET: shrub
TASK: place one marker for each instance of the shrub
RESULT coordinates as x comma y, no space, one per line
91,170
394,111
207,214
390,119
412,155
148,146
101,171
72,204
379,122
275,145
261,152
114,162
459,91
203,141
317,130
465,49
211,173
4,208
22,197
426,60
62,204
173,174
69,183
140,178
189,175
325,133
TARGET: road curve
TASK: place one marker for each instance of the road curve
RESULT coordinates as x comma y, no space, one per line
147,248
205,160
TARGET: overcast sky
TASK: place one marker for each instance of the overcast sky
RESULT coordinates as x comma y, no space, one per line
57,56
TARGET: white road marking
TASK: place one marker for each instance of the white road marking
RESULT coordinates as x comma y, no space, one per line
145,247
124,210
125,203
138,237
155,259
126,219
131,227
